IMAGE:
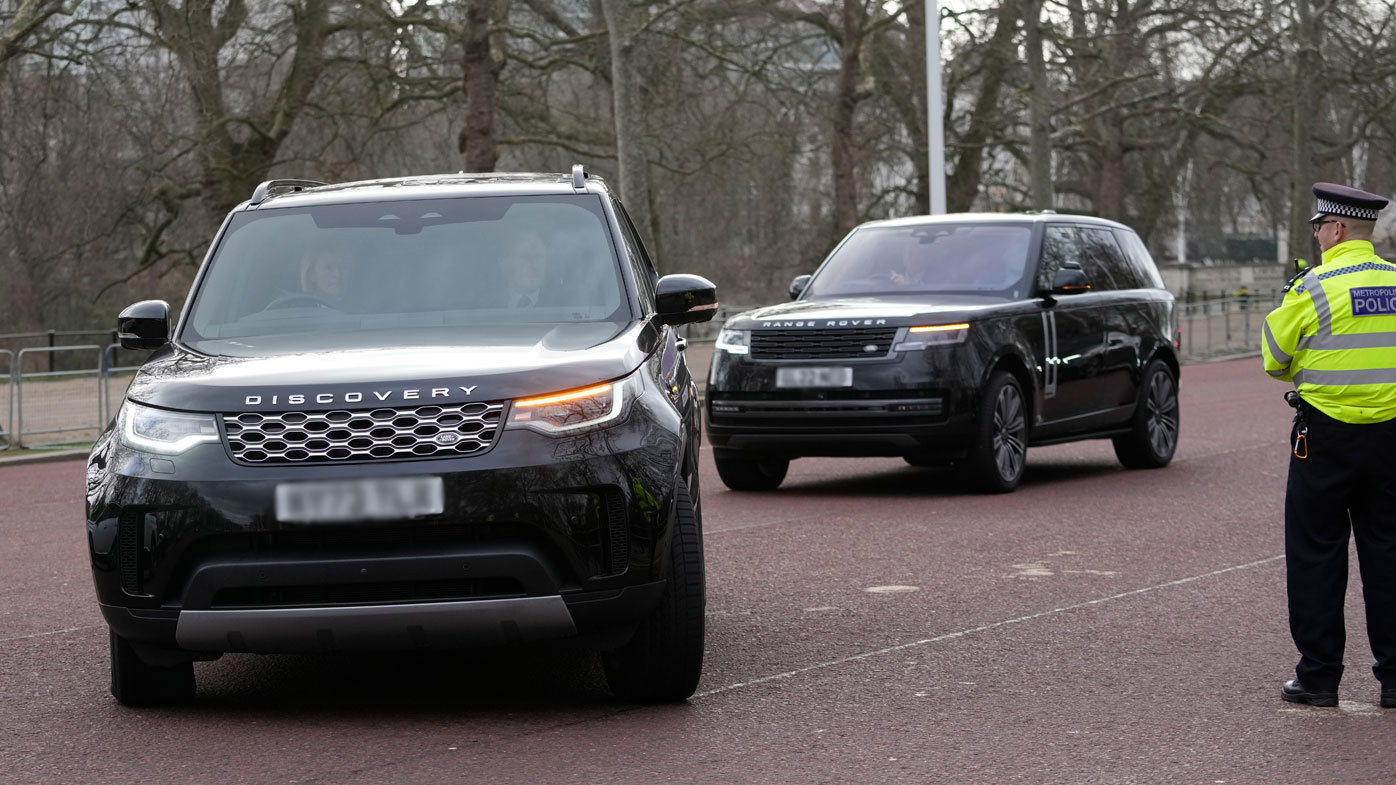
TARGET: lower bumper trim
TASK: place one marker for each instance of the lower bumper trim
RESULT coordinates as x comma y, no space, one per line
418,625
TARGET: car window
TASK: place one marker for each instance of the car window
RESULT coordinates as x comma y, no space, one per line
409,272
974,258
1138,257
645,276
1059,245
1104,262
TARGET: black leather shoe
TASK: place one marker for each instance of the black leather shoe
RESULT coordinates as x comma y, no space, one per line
1294,692
1388,698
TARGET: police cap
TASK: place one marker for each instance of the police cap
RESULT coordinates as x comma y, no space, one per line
1341,200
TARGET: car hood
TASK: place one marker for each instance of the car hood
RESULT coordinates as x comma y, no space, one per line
868,312
178,378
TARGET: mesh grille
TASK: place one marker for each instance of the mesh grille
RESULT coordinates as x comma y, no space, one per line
617,534
369,434
128,535
821,344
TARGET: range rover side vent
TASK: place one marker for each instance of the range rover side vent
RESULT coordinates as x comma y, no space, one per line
434,431
821,344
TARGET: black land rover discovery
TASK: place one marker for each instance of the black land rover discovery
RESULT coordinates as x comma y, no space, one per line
445,411
959,339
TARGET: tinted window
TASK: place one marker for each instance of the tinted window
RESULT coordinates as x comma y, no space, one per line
645,276
1059,245
405,273
941,257
1104,262
1138,257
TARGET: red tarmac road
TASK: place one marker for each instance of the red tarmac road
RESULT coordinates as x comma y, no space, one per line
1097,626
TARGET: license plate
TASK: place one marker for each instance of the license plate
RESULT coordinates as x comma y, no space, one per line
814,377
360,500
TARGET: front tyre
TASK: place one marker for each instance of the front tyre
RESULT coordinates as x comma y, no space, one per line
742,473
998,456
136,683
1153,434
662,662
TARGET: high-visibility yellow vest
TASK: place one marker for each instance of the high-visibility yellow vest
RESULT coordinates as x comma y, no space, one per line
1334,335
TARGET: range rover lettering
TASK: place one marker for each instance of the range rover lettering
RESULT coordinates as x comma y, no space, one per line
953,340
445,411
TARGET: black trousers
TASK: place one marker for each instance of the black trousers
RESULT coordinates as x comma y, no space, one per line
1347,483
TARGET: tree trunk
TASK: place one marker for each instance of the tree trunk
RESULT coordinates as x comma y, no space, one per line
844,146
481,73
1307,72
631,152
1040,108
1000,53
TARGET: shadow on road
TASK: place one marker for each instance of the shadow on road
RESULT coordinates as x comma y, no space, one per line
921,482
527,679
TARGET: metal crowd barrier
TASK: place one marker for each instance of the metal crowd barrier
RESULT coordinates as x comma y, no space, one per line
18,376
5,434
1224,325
106,409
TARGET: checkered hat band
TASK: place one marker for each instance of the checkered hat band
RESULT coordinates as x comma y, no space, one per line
1334,208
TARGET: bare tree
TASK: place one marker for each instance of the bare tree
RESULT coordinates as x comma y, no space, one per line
23,23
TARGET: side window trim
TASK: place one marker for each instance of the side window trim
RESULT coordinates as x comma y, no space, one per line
645,276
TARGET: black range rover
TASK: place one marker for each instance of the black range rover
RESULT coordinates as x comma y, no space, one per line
435,412
958,339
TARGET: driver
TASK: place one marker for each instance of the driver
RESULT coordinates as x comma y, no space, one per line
524,262
327,274
913,269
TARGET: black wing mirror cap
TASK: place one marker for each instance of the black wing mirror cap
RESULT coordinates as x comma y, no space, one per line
1070,279
798,286
144,325
685,299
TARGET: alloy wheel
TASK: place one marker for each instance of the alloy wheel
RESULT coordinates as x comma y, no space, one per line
1162,418
1010,448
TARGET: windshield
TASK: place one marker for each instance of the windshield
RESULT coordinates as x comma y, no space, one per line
976,258
430,272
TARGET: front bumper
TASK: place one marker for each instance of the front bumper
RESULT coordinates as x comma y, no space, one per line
920,402
542,537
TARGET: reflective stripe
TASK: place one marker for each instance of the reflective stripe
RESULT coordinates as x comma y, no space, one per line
1275,352
1280,374
1321,307
1347,341
1343,378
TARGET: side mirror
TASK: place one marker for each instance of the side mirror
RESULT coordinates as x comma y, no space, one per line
145,325
684,299
798,286
1070,279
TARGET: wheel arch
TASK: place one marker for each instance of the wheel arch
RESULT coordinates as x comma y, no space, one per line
1014,364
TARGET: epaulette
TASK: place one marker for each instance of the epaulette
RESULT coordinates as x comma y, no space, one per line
1294,280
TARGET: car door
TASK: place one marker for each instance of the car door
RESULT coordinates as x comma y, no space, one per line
1072,333
1123,314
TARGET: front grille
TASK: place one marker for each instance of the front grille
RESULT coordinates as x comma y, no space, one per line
821,344
369,434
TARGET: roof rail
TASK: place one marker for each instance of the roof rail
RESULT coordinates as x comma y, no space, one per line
579,177
264,191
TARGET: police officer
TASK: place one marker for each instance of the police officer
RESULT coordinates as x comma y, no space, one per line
1334,336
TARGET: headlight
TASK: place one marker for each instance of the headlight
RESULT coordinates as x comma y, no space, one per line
571,410
165,432
734,341
932,335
